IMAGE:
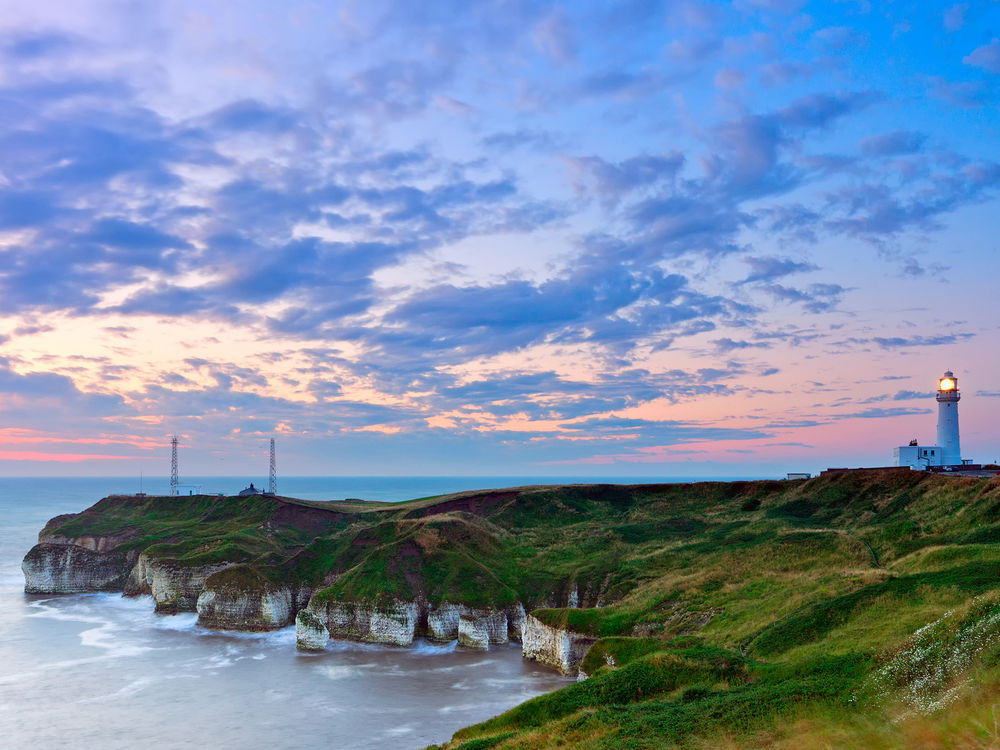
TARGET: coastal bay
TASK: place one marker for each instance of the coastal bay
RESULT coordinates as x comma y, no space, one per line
102,669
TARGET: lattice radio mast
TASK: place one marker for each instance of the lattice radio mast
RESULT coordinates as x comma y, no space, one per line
173,464
272,487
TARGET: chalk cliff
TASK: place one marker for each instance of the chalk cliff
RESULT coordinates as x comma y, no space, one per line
175,587
310,632
398,622
240,598
394,622
70,569
446,569
557,647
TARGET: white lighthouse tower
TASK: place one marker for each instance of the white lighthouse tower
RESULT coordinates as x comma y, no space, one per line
947,424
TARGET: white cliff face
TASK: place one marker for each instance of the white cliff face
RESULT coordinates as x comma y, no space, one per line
310,632
71,569
573,598
473,632
238,598
245,610
395,623
442,622
515,621
495,622
557,647
475,627
175,588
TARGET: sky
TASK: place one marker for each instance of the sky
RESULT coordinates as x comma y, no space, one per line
631,238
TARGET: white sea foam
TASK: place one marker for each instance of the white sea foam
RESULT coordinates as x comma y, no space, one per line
50,609
499,682
282,637
483,663
339,672
128,690
427,648
44,668
107,634
441,669
181,622
398,731
109,637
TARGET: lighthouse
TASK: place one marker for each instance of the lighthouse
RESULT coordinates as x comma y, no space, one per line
947,424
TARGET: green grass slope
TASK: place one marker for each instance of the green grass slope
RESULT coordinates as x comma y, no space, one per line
722,610
802,591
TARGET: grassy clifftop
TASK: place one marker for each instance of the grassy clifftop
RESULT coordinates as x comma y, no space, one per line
718,607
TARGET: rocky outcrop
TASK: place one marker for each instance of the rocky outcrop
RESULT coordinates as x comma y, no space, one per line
515,621
394,623
239,598
474,627
573,597
244,610
575,594
442,621
478,628
174,587
310,632
557,647
399,622
70,569
474,632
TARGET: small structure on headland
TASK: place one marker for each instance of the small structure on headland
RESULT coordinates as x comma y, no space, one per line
948,451
272,481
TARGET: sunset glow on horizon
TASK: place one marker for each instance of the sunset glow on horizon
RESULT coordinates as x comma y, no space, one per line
627,239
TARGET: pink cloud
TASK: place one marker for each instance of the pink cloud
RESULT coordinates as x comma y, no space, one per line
57,457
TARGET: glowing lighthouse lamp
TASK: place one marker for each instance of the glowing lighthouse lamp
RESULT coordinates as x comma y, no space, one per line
948,451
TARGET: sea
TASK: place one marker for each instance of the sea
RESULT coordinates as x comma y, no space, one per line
105,671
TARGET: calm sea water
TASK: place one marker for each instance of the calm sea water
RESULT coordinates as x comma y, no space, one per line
99,670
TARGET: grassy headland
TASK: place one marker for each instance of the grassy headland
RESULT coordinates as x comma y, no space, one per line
723,611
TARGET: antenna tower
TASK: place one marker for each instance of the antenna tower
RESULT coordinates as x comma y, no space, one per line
272,487
173,464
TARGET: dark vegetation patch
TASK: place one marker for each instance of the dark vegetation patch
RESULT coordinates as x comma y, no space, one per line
798,508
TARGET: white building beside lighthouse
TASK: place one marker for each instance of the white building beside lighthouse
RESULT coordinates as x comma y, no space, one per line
948,451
